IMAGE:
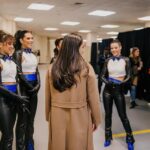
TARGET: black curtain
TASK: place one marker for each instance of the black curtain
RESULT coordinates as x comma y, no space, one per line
94,53
140,39
96,50
105,44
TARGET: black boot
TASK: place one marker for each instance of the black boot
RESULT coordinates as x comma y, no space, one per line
130,141
133,104
108,138
130,138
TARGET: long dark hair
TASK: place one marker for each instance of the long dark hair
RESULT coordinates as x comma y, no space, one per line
19,35
68,64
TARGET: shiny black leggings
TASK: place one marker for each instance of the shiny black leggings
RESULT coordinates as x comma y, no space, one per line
7,121
25,122
115,93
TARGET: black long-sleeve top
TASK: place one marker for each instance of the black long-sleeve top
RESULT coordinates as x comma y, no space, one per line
105,74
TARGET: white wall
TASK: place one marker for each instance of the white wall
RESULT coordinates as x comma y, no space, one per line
52,46
91,37
87,53
41,43
8,26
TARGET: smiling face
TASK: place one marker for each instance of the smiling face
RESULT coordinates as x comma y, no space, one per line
6,46
27,40
115,49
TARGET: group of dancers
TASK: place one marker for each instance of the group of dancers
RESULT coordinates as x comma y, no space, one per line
19,86
72,97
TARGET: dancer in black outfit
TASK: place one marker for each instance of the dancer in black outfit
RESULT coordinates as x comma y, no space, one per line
9,99
116,72
29,87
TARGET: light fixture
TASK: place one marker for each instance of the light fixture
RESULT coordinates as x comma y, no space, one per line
64,34
51,29
99,39
146,18
110,26
101,13
40,6
21,19
140,28
84,31
113,37
112,33
70,23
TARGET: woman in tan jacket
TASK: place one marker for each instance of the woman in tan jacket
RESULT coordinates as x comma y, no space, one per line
72,99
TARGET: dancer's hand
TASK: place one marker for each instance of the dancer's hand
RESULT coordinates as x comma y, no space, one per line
35,89
25,108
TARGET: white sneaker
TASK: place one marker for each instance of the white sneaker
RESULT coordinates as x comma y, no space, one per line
148,104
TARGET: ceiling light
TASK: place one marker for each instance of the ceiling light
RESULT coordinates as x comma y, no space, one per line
110,26
39,6
84,31
146,18
64,34
51,29
139,28
21,19
113,37
112,33
101,13
70,23
99,39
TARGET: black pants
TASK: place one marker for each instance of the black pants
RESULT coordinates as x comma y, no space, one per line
25,122
7,121
115,93
99,83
